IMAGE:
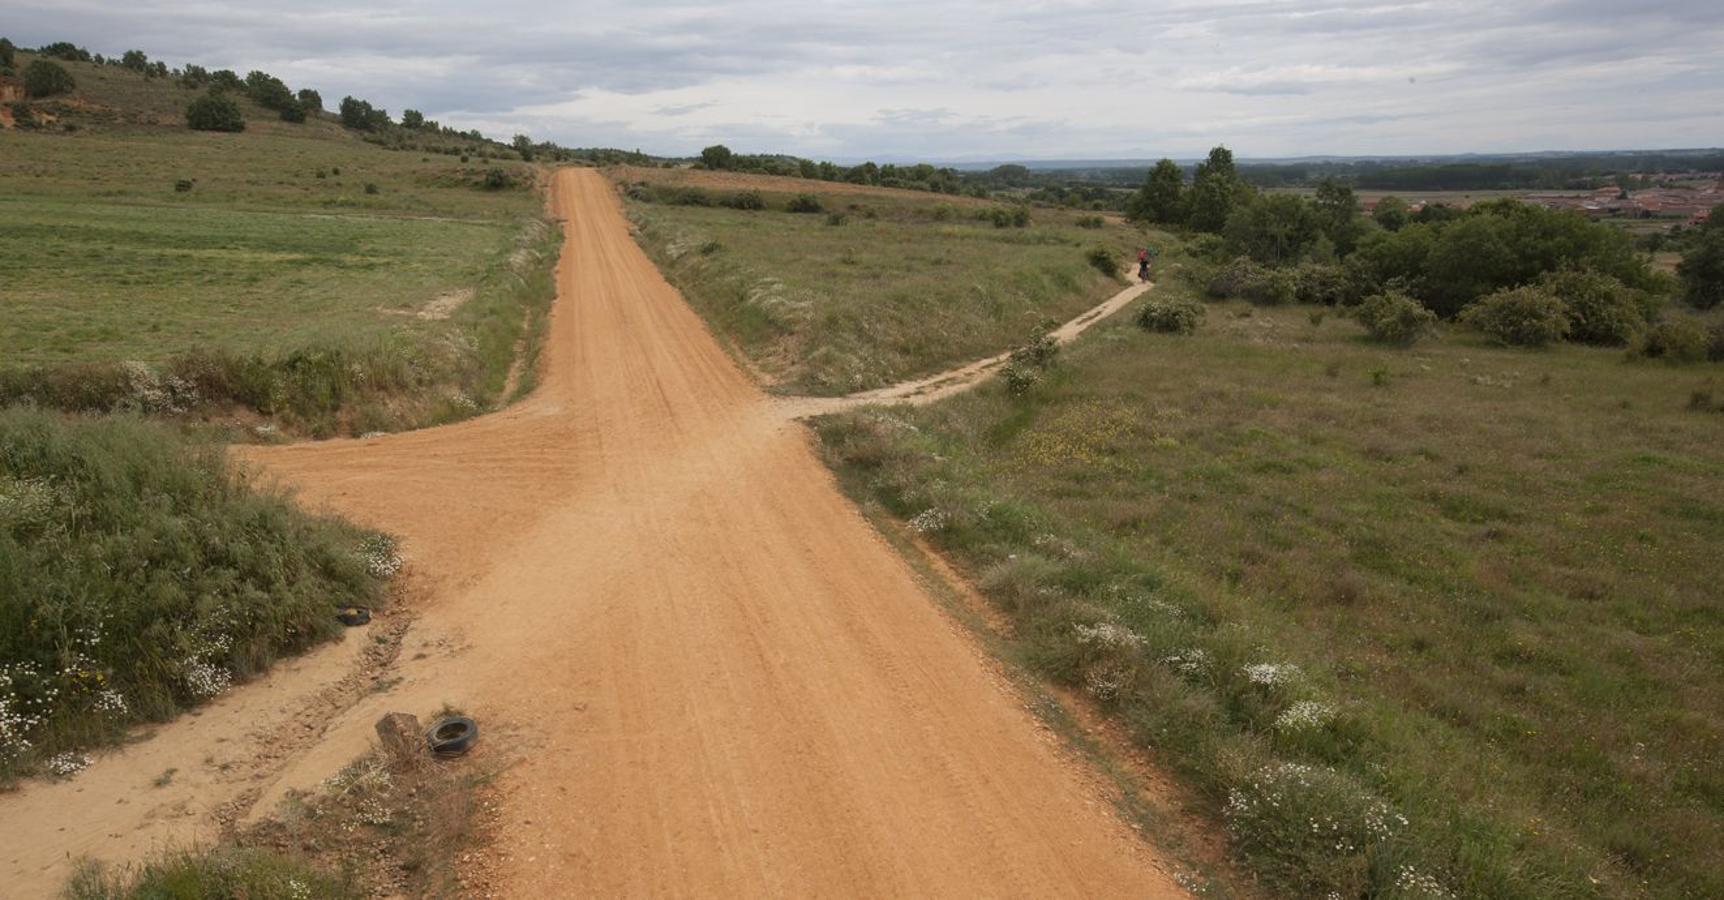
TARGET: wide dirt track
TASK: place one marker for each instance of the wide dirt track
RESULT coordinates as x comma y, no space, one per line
719,679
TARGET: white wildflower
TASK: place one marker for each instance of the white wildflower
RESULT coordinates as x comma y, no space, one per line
1271,674
67,764
382,559
1412,882
1190,663
1305,715
111,701
928,520
1108,635
205,679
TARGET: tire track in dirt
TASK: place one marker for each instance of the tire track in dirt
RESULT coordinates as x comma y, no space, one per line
725,683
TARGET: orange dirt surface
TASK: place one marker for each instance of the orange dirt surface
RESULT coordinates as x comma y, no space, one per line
716,678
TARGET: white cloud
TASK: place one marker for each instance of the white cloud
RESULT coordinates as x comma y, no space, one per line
969,79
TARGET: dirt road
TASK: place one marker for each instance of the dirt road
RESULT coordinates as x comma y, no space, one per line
722,681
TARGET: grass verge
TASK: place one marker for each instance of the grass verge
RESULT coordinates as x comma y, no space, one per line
140,575
1413,623
870,287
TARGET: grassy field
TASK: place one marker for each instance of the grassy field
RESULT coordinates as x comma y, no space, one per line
878,286
1417,623
133,239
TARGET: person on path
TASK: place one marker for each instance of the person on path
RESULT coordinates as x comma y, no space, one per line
1143,264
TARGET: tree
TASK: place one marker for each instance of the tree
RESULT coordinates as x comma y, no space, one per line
362,116
718,156
310,99
1392,213
1339,210
45,79
65,50
8,54
524,146
1162,197
226,80
1276,229
194,76
135,60
214,112
1215,189
412,118
1702,267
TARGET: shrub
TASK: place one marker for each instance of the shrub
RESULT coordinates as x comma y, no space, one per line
1091,222
746,200
1715,343
1039,352
8,54
1521,317
1020,378
804,203
1104,261
1601,309
22,115
1395,318
293,112
182,186
371,187
497,179
1175,315
45,79
1008,217
837,218
214,112
1676,339
1325,285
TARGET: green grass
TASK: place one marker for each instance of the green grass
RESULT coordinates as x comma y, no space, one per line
223,872
1496,572
907,285
293,241
140,574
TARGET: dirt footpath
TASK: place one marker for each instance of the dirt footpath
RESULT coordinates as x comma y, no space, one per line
724,683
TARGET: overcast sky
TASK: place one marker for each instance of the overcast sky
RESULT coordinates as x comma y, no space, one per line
973,80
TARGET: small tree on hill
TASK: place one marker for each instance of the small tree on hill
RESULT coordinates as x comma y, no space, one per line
310,99
65,50
214,112
226,80
412,118
8,54
45,79
718,156
524,146
1215,190
194,76
135,60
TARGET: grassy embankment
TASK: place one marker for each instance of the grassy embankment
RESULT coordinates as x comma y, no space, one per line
877,286
301,273
140,575
1335,584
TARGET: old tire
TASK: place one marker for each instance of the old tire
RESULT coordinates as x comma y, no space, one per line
353,615
452,736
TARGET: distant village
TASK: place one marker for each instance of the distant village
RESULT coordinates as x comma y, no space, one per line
1688,204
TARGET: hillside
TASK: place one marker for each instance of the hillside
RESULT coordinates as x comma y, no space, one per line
138,240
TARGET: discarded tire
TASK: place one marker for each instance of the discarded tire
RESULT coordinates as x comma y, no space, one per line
452,736
353,615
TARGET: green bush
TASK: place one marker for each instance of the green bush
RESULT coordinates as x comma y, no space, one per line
214,112
1104,261
1176,315
8,54
1235,278
45,79
1091,222
1520,317
1395,318
1008,216
750,200
183,185
1676,339
804,203
497,180
1325,285
1715,343
22,115
837,218
1601,309
139,574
